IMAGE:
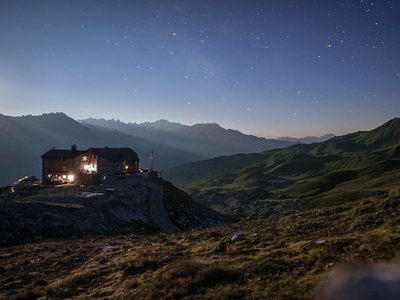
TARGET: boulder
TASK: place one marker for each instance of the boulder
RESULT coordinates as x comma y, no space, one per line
237,237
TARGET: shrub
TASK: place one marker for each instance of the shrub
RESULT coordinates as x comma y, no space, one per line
394,192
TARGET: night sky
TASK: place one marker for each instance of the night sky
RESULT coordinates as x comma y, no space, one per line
271,68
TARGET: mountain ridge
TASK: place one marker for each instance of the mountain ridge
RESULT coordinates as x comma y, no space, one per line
165,124
27,137
341,169
219,141
307,139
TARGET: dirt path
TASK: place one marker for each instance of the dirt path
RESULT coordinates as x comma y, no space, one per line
158,212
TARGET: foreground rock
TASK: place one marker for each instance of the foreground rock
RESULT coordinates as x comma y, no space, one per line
119,205
278,259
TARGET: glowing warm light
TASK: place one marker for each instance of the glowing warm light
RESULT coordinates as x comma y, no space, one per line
126,167
86,167
23,178
71,177
64,176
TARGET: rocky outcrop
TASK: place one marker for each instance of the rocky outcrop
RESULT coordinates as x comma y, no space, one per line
131,204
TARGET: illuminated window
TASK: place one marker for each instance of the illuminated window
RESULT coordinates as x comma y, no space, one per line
84,158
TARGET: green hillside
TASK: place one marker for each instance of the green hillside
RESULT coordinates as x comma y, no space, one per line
339,170
191,172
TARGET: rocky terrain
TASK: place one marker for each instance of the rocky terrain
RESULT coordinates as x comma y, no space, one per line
286,256
131,204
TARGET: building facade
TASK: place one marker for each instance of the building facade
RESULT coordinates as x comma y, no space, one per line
66,166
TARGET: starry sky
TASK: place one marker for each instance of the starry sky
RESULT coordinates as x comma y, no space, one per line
270,68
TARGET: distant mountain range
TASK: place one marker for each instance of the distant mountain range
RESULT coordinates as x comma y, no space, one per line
24,139
307,139
206,140
341,169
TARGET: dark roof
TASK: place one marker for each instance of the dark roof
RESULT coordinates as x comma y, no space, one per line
116,154
57,153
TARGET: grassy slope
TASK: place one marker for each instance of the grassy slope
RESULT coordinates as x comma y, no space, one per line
341,169
281,257
187,173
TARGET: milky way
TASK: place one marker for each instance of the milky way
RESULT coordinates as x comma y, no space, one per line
263,67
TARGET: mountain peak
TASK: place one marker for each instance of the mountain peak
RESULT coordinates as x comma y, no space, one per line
163,124
307,139
387,134
208,125
393,122
162,121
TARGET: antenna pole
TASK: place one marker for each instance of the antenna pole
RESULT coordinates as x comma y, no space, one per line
151,159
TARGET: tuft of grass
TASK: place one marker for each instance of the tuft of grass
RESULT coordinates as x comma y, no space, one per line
395,192
29,293
185,278
64,205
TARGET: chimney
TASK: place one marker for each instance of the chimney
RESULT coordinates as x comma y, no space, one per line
73,147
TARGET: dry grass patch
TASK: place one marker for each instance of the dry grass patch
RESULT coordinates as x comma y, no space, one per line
188,277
